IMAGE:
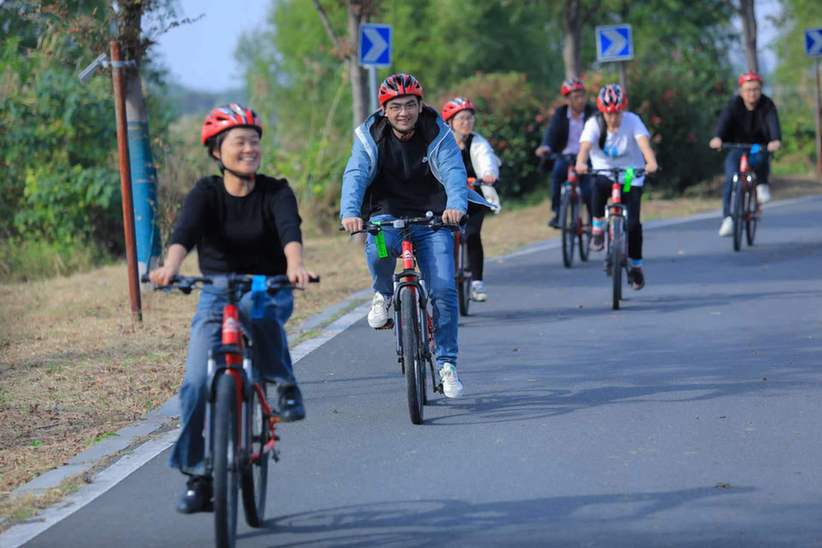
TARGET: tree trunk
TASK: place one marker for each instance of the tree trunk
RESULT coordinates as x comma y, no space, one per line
570,47
748,16
359,77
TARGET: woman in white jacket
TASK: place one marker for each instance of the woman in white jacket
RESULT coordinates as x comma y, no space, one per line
482,166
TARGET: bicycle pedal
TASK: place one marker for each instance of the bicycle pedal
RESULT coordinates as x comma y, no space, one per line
275,455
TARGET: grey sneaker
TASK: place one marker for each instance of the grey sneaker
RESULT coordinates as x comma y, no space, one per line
727,227
478,292
378,315
451,384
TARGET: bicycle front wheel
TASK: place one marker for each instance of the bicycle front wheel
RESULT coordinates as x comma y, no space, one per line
463,278
255,473
751,212
737,204
226,482
567,222
617,258
411,358
584,230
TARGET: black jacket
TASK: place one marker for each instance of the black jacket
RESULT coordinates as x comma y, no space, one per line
556,134
737,125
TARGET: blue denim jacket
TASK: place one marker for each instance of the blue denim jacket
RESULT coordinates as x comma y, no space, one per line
444,157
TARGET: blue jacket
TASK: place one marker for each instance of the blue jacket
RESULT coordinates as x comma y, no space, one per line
444,157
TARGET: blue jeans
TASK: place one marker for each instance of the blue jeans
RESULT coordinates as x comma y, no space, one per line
558,176
435,255
271,359
731,166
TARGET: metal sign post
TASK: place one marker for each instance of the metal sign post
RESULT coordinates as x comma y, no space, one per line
813,48
614,44
117,64
374,52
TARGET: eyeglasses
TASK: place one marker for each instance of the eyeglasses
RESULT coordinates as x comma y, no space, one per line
464,117
395,108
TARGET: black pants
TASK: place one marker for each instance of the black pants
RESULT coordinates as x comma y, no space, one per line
476,256
633,201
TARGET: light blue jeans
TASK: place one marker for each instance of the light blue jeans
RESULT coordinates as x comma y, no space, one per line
271,359
435,255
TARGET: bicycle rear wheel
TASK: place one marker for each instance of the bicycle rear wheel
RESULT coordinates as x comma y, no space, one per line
255,474
617,258
567,222
737,203
226,482
584,231
411,359
751,212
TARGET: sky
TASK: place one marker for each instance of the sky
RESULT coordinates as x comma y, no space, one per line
201,55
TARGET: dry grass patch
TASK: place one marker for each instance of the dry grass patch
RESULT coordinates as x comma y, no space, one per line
74,368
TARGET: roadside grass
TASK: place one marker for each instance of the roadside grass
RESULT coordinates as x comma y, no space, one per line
75,368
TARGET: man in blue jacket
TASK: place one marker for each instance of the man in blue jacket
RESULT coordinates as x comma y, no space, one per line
562,139
405,162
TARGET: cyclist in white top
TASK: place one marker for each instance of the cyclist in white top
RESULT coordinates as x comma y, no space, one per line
616,138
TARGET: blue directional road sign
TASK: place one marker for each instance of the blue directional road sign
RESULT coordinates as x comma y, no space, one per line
614,43
375,45
813,42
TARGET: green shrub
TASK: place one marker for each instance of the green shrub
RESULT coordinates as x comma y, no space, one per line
23,260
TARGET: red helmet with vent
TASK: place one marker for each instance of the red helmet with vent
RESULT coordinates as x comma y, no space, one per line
749,77
226,117
611,98
568,86
455,106
398,85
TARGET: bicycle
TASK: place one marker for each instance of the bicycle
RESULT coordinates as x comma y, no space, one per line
413,322
240,432
745,208
462,272
616,257
575,227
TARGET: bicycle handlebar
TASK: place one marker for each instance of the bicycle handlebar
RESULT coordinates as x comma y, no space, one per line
235,282
430,221
615,171
744,145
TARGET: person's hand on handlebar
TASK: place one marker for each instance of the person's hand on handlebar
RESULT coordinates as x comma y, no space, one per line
542,151
352,224
715,143
163,275
651,167
298,275
581,168
773,146
452,216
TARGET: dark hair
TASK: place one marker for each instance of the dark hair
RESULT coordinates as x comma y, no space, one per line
215,143
603,130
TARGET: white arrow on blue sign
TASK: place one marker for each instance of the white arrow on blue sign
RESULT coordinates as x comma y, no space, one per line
375,45
614,43
813,42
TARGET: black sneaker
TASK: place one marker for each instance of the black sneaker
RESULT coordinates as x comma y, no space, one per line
197,496
291,403
554,222
597,241
636,278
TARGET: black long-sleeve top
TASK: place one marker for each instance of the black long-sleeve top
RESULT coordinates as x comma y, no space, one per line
556,133
239,234
737,124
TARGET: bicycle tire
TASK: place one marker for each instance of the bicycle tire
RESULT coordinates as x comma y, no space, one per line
751,212
616,263
566,224
226,484
254,475
412,361
584,230
463,278
737,201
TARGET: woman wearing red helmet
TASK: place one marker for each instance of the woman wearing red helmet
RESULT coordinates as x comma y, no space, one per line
617,138
750,117
241,222
480,163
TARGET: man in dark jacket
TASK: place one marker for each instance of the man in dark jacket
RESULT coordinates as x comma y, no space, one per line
749,117
561,138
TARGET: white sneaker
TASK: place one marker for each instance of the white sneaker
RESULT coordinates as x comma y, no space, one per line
763,193
378,315
451,385
727,227
478,292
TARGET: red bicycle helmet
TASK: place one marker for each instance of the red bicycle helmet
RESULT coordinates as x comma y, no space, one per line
398,85
456,105
612,99
749,77
229,116
568,86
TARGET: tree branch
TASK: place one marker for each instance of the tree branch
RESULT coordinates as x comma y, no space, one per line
327,24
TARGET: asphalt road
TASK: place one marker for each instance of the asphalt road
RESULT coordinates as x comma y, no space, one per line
691,417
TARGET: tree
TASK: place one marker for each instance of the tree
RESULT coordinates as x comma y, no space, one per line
745,10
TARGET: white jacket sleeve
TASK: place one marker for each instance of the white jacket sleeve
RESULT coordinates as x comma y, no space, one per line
483,159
